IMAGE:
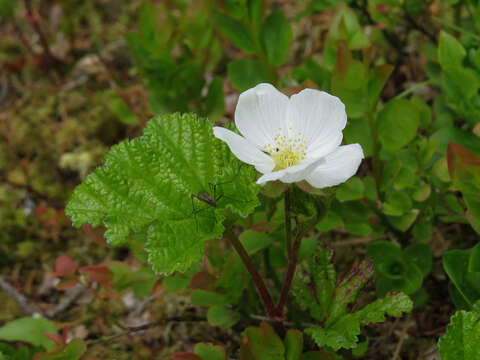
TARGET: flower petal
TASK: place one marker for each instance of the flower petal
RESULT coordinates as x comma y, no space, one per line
245,150
260,112
292,173
320,117
339,166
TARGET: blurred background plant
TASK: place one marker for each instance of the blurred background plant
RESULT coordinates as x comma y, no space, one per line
79,76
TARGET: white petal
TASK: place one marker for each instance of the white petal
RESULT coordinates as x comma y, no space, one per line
292,173
245,150
320,117
260,112
339,166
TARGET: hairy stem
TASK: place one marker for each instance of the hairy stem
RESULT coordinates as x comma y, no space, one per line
257,279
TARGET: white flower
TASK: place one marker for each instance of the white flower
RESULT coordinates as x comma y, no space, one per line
292,139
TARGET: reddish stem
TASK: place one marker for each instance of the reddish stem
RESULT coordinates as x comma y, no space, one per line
36,26
292,264
257,279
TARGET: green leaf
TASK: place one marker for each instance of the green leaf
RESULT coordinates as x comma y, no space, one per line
347,291
253,241
222,316
329,222
175,282
461,339
275,37
246,73
73,351
450,50
236,7
404,221
394,304
215,102
455,263
122,111
7,8
314,284
210,352
397,203
343,334
293,344
208,298
29,330
154,185
352,189
255,11
376,81
234,30
397,123
420,255
264,344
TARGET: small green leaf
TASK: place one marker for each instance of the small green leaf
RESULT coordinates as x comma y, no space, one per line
376,81
122,111
293,344
347,291
253,241
455,263
222,316
210,352
394,304
264,343
397,203
255,11
397,123
208,298
329,222
234,30
246,73
314,284
29,330
420,255
352,189
461,339
342,334
275,37
450,50
215,102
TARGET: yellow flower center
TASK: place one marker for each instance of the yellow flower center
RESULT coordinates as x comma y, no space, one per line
287,150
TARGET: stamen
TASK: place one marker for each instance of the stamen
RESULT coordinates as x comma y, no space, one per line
287,151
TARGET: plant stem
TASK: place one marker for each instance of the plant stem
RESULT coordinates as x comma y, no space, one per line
43,39
376,151
288,223
257,279
292,264
292,254
412,88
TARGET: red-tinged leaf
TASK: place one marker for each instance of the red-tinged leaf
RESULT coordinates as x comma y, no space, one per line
100,274
67,283
245,353
64,266
186,356
59,340
344,59
202,280
458,157
263,227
